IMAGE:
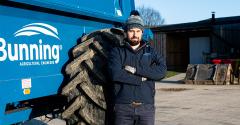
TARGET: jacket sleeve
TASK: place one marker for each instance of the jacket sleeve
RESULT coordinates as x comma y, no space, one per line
153,68
116,71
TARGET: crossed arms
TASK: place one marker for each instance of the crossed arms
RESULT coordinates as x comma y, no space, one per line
150,67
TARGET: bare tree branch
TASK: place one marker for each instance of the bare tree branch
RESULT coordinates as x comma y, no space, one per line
151,17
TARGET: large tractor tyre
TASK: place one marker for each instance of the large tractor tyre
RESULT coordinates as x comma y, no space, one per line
88,87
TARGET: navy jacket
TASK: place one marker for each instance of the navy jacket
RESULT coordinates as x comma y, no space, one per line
130,87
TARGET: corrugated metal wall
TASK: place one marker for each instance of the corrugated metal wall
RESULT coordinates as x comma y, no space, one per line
159,43
226,39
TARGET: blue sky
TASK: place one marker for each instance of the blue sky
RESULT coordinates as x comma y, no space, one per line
183,11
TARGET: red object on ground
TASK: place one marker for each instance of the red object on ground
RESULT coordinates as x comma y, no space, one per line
216,61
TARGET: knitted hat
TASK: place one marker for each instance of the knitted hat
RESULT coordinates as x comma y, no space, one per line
134,21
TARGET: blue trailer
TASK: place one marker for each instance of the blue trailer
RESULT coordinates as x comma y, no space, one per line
37,38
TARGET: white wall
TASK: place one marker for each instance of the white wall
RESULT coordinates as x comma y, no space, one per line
198,46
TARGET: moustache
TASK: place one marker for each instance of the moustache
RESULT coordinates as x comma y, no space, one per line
134,38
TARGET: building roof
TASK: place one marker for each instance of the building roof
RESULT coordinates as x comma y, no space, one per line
200,25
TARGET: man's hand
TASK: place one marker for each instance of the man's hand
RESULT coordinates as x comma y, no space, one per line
144,79
130,69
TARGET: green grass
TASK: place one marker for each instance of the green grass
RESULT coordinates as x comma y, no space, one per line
171,73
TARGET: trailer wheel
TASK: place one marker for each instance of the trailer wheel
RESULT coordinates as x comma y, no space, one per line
87,87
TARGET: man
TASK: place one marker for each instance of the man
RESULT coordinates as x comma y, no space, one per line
133,69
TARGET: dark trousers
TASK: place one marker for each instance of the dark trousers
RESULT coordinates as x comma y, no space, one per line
127,114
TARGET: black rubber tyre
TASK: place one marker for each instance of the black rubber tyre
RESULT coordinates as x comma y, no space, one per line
87,85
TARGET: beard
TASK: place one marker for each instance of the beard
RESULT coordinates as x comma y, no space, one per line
134,41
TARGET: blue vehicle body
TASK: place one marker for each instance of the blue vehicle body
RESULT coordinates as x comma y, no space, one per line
35,39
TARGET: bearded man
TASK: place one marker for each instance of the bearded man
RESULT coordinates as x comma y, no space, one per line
134,68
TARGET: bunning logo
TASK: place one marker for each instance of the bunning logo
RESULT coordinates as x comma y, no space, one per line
32,54
37,28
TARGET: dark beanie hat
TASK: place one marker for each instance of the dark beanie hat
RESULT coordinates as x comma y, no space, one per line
134,21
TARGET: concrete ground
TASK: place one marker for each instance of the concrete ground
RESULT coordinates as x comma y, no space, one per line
181,104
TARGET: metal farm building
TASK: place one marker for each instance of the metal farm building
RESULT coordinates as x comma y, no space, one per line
198,42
